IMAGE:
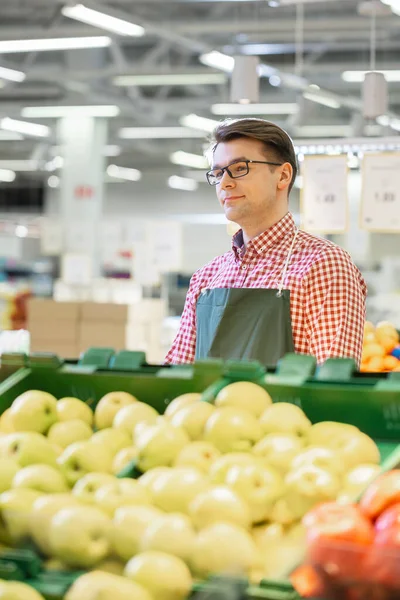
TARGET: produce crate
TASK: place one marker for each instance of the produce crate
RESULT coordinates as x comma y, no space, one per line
332,392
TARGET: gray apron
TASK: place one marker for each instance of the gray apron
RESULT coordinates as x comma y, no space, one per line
245,323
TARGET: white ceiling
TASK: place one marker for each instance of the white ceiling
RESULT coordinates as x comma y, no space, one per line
336,38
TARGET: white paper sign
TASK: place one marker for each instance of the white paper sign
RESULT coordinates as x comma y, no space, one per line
380,200
51,237
76,269
324,199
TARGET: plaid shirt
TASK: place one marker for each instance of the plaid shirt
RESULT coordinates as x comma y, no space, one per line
327,291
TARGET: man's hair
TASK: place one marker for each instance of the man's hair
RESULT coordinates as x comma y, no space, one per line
276,141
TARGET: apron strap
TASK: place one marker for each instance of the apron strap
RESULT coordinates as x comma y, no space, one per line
285,268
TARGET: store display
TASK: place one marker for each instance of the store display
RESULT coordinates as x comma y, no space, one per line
381,348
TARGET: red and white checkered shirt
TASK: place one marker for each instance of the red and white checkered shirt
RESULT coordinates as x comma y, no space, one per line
327,291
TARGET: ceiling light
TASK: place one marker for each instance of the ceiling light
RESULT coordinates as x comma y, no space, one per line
82,13
322,99
123,173
196,122
275,80
218,60
53,165
51,112
142,133
53,181
19,165
48,44
187,159
24,127
310,131
182,183
170,79
7,175
21,231
11,75
245,81
359,76
255,109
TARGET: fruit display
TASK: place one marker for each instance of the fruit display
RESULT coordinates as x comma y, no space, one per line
354,549
221,488
381,348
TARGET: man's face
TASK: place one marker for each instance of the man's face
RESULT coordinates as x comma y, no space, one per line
249,199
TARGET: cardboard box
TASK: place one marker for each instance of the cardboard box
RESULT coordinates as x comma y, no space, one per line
57,331
110,335
63,350
44,309
99,312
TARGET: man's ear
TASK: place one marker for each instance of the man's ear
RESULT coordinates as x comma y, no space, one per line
286,174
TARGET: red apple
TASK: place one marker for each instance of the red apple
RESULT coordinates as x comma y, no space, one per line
383,492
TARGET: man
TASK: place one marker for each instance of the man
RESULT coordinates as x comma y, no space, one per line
279,289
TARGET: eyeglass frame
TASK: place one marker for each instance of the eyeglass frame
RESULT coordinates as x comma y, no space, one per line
260,162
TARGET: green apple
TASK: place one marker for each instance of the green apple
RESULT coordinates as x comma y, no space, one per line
65,433
108,407
278,450
320,457
112,440
282,513
267,536
259,486
172,533
81,458
129,416
54,564
86,487
180,402
16,590
149,480
356,481
283,417
159,445
200,455
129,525
223,548
193,418
350,445
15,510
308,486
232,430
79,536
221,465
6,424
43,510
28,448
98,585
71,409
122,492
8,469
34,411
176,488
42,478
164,576
246,396
219,503
111,565
123,458
325,433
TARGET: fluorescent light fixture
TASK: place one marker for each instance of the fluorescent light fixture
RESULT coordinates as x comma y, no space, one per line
322,99
21,231
82,13
24,127
53,165
323,130
196,122
11,75
19,165
182,183
49,44
255,109
10,136
143,133
7,175
387,121
218,60
187,159
392,75
123,173
53,181
54,112
170,79
111,150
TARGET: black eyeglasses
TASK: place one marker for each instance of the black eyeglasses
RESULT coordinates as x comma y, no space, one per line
235,170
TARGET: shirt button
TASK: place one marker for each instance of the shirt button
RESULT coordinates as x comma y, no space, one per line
244,267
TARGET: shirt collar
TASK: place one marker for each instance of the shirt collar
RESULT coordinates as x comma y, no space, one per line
267,239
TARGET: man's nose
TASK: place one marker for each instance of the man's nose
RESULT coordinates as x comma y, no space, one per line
227,181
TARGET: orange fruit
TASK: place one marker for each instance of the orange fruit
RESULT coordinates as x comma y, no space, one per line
385,330
376,364
372,351
388,343
369,338
390,363
368,327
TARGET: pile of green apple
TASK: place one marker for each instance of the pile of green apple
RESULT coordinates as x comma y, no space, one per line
223,489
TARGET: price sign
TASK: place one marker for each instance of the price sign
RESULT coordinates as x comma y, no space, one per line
324,200
380,201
